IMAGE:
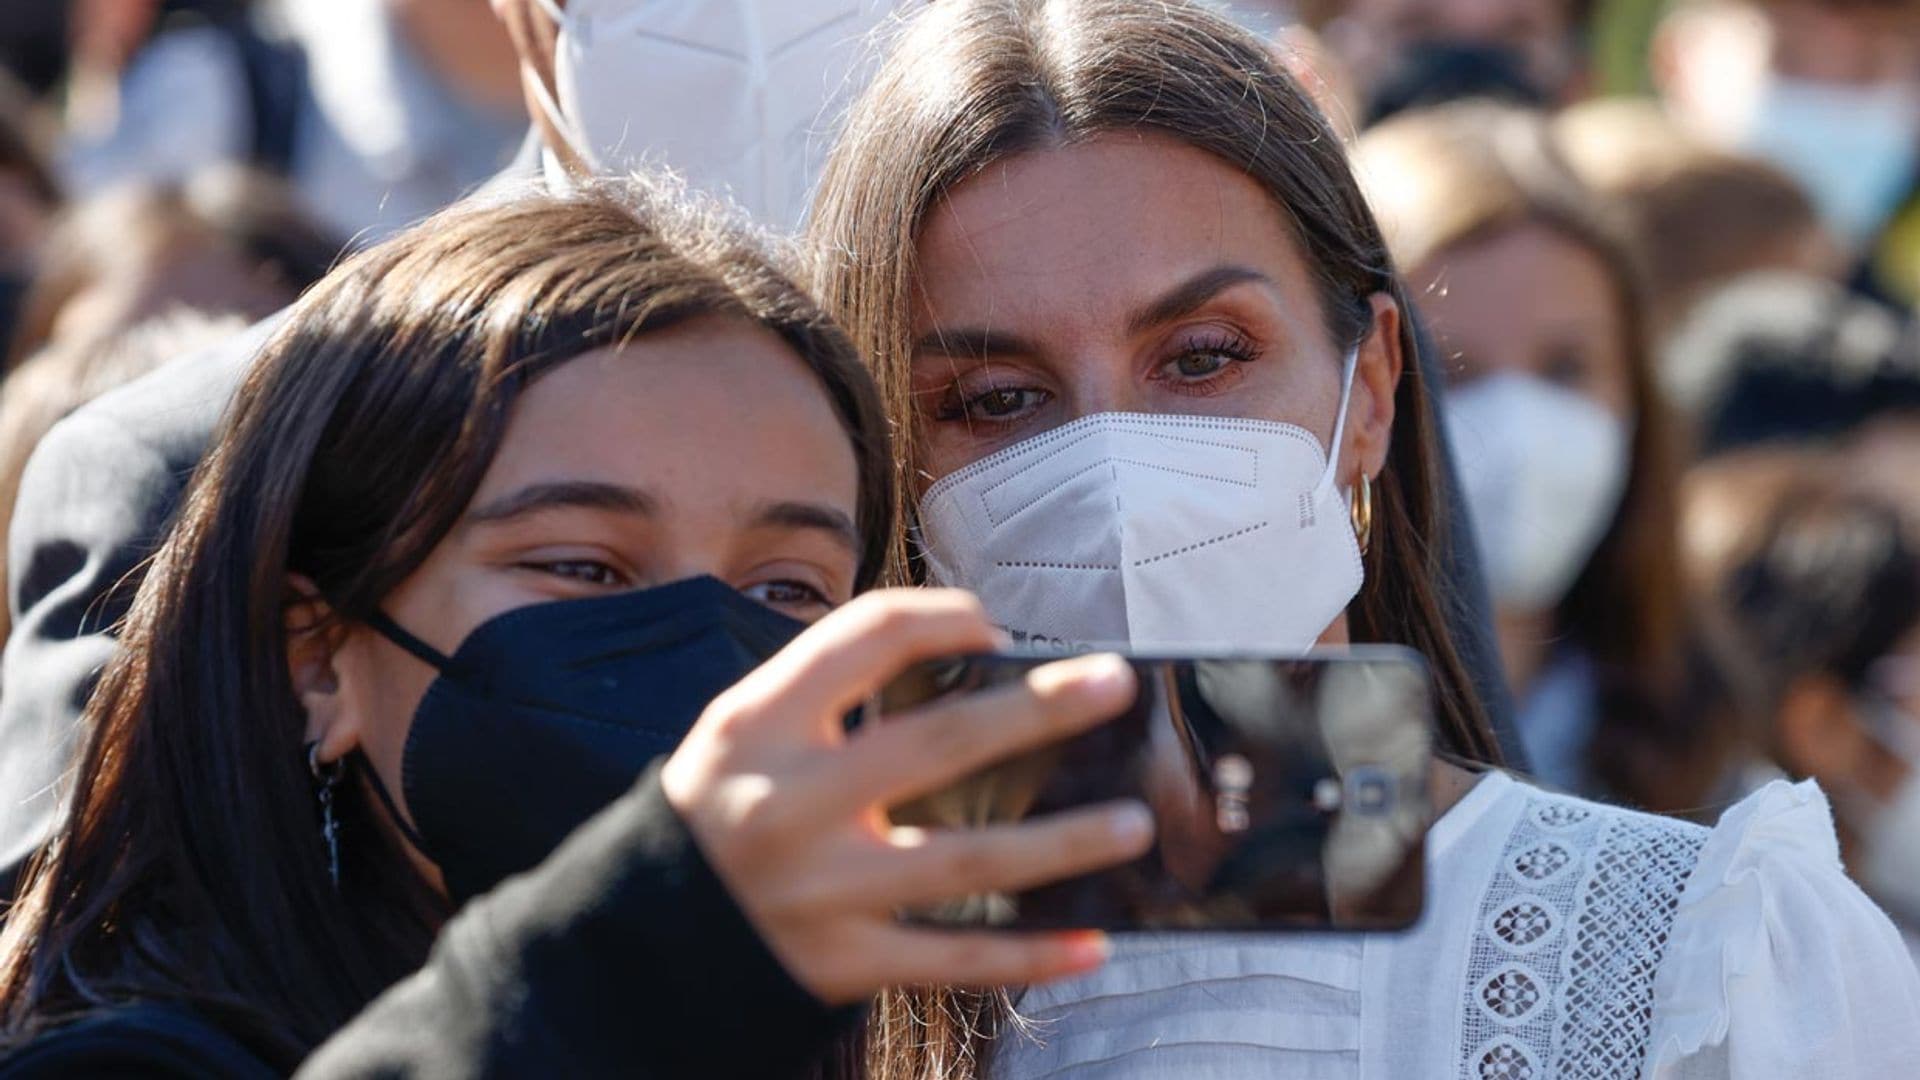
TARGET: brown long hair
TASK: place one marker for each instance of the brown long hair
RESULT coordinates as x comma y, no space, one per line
971,82
1453,175
190,868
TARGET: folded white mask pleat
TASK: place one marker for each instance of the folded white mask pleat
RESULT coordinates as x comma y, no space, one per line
1153,532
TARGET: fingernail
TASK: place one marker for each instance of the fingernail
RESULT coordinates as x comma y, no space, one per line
1087,949
1108,673
1131,822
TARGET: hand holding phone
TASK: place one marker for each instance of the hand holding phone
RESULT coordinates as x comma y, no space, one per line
790,808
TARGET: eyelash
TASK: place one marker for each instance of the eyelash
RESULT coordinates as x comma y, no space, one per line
813,596
1234,346
606,577
558,568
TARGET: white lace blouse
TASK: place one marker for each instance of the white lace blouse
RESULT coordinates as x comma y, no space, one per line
1562,938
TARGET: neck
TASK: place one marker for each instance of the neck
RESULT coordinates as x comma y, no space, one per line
1525,640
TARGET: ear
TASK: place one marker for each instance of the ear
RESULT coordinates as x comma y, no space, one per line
1816,731
311,642
1376,377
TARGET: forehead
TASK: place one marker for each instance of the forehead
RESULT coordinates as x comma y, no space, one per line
702,412
1525,269
1088,227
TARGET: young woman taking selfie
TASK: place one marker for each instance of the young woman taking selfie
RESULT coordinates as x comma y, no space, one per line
506,504
1103,255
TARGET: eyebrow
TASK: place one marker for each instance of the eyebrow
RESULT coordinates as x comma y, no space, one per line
1182,299
804,515
568,494
973,343
1190,295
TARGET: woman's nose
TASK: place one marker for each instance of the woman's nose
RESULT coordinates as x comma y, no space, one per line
1104,384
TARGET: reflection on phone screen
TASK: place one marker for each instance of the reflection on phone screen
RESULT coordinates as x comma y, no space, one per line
1287,793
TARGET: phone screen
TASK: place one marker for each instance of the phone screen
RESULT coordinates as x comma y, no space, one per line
1287,793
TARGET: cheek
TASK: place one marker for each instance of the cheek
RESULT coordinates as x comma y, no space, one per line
1612,384
383,686
940,449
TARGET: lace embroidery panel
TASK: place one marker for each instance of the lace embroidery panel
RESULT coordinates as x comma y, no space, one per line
1572,928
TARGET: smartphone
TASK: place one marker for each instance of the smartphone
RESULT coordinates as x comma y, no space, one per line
1289,793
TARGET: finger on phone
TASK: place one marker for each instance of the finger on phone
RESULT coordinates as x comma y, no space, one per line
986,958
930,865
937,744
840,660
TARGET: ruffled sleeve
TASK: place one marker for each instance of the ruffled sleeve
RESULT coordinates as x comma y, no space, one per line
1777,965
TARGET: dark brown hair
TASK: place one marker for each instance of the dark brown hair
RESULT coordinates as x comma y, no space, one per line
971,82
1701,215
190,867
1458,174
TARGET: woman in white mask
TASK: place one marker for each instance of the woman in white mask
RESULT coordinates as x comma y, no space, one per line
1147,345
1559,435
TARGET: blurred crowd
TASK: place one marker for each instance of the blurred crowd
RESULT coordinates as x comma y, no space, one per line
1664,253
1668,252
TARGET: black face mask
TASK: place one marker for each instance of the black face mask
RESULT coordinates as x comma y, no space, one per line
546,714
1437,72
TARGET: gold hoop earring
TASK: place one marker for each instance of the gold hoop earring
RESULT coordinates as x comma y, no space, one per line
1360,512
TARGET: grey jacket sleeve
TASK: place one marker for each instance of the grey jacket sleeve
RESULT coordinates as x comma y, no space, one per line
92,504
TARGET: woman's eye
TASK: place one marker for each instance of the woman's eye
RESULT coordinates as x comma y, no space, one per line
786,593
1203,359
1567,368
583,570
1199,365
998,403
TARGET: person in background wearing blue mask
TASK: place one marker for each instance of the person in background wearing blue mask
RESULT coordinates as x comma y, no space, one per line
506,506
1152,360
1564,446
1829,91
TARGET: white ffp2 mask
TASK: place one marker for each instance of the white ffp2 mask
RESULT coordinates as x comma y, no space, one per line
1543,470
1152,532
734,95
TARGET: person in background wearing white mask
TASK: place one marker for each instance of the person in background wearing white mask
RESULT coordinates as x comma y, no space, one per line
1828,90
1555,423
1147,351
737,96
1821,586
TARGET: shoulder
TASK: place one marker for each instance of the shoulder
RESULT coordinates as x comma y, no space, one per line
138,1040
1779,964
154,427
175,407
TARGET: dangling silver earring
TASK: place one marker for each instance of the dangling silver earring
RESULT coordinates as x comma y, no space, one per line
328,777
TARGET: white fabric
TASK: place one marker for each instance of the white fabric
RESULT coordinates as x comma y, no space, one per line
737,96
1562,938
1543,468
1139,529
